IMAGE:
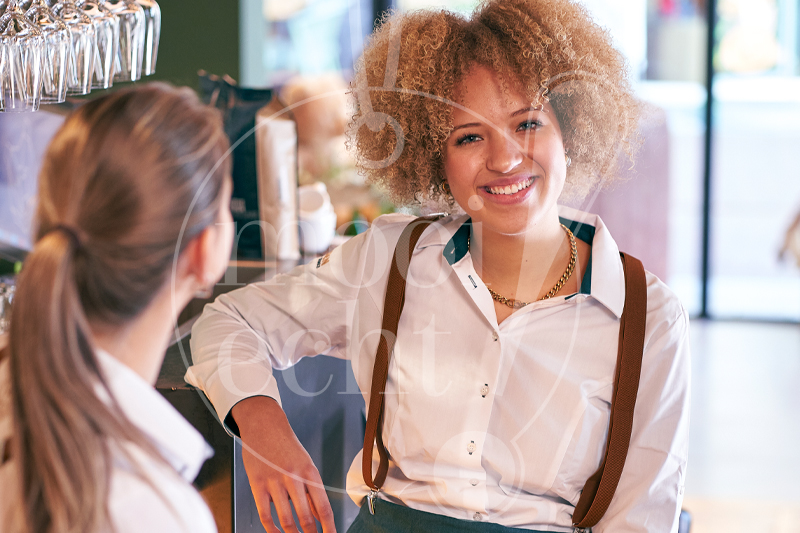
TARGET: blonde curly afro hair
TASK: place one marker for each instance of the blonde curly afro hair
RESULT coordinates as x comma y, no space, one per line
407,78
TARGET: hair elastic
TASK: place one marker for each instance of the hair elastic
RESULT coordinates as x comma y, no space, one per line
73,234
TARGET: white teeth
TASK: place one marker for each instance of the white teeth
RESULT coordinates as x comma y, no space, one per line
511,189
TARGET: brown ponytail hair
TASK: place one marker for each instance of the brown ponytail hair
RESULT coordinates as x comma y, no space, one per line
117,183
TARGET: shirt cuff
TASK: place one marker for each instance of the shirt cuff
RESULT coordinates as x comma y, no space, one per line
223,397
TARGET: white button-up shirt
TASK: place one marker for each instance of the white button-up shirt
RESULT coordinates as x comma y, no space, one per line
499,421
134,504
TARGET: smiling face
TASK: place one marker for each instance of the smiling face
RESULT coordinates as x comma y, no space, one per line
504,160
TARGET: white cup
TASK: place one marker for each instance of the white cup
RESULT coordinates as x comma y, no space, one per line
317,218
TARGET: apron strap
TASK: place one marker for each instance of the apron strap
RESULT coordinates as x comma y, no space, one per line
392,309
599,489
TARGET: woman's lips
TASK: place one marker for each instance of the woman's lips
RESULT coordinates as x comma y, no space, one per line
518,191
509,189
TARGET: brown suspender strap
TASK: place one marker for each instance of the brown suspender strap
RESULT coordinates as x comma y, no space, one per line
392,308
600,488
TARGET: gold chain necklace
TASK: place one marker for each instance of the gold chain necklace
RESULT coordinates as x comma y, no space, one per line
573,258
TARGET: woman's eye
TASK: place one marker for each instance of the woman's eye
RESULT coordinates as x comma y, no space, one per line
466,139
530,125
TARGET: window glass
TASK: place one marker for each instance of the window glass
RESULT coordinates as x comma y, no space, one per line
656,214
305,37
674,82
756,193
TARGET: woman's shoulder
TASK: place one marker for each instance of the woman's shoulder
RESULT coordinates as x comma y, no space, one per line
158,499
666,348
392,225
393,220
401,220
384,231
165,504
664,307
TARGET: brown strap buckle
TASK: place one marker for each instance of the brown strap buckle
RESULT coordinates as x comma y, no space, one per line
371,497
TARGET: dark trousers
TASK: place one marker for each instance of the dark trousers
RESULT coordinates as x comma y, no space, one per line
392,518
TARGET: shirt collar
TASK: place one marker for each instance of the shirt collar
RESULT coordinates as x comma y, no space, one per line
605,266
604,279
179,442
441,232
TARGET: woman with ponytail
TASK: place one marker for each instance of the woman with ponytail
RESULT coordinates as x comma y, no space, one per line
133,219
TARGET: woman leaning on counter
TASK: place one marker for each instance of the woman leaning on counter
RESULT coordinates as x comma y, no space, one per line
498,394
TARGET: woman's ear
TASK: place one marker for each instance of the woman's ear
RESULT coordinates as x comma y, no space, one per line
204,259
192,271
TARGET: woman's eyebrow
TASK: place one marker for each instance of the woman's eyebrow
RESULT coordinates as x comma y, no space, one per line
523,111
526,110
470,125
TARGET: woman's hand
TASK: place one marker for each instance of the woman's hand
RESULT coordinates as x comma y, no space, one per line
279,468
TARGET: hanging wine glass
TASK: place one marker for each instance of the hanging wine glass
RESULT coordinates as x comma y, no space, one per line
106,29
25,5
2,76
80,68
2,62
128,63
23,45
152,14
56,51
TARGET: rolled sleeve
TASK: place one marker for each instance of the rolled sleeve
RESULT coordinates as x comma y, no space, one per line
244,334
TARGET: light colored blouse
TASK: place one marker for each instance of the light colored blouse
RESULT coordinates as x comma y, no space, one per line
483,421
134,505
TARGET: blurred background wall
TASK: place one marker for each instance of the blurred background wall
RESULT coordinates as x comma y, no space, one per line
198,34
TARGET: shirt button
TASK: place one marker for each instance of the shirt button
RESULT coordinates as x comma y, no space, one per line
473,482
485,390
495,336
477,517
471,447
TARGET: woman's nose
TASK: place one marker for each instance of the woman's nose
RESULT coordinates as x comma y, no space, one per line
505,154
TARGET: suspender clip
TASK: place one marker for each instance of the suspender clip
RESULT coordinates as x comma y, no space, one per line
371,501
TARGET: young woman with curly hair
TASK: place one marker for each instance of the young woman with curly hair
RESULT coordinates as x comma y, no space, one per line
498,395
133,219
